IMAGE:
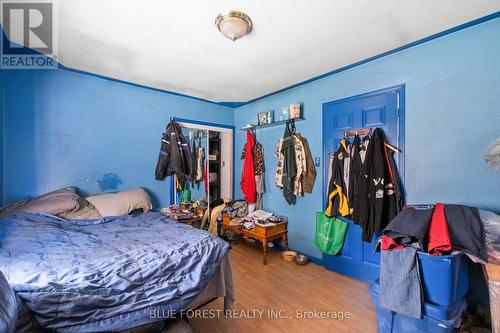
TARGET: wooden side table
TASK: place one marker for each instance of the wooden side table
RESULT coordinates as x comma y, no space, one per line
260,233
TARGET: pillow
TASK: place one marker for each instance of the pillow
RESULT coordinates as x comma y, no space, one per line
64,203
56,202
84,211
121,203
11,208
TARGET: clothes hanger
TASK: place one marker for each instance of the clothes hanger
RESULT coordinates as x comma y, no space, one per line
393,148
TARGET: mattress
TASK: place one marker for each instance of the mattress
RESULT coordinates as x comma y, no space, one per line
108,274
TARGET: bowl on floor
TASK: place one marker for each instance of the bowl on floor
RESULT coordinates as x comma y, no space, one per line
301,259
288,255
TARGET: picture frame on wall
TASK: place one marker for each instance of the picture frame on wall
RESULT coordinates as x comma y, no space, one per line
262,118
295,111
285,114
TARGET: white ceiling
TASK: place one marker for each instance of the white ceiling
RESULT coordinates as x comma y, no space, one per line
175,46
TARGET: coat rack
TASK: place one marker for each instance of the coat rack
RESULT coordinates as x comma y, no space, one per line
359,131
368,131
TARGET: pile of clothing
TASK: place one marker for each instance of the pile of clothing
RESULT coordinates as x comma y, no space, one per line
219,207
363,183
258,217
435,229
252,173
296,172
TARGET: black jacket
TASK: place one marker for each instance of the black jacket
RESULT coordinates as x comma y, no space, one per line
175,155
376,204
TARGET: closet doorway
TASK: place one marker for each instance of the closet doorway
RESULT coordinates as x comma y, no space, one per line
215,143
384,109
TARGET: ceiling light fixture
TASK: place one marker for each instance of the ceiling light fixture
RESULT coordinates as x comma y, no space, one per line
233,24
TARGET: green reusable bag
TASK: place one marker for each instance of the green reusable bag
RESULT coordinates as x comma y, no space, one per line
330,233
186,194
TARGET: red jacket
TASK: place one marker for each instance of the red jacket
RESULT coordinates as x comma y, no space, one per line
248,178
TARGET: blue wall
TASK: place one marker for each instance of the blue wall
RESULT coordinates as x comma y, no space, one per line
452,113
65,128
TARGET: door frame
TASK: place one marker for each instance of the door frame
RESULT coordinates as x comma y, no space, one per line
209,126
400,89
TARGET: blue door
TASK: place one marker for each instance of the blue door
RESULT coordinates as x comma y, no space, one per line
377,109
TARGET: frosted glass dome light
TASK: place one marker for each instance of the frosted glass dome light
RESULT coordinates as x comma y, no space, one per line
233,24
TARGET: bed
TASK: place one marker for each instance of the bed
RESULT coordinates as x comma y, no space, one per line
113,273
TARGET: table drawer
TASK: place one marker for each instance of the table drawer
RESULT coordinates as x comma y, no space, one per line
264,231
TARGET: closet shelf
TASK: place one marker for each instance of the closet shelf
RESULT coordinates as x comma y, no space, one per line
275,123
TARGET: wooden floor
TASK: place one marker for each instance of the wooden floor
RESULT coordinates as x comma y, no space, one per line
293,289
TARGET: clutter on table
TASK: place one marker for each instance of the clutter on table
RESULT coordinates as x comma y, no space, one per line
259,225
184,211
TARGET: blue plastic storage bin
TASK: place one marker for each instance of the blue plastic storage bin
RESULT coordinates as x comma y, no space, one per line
445,279
446,319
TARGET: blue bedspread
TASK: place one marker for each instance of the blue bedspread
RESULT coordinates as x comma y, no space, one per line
108,274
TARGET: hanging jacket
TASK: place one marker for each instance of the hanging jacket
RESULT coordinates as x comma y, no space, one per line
393,196
337,204
193,169
355,170
248,177
175,155
301,166
375,205
289,166
309,177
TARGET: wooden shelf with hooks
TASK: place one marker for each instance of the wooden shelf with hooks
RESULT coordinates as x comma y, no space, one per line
359,131
275,123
